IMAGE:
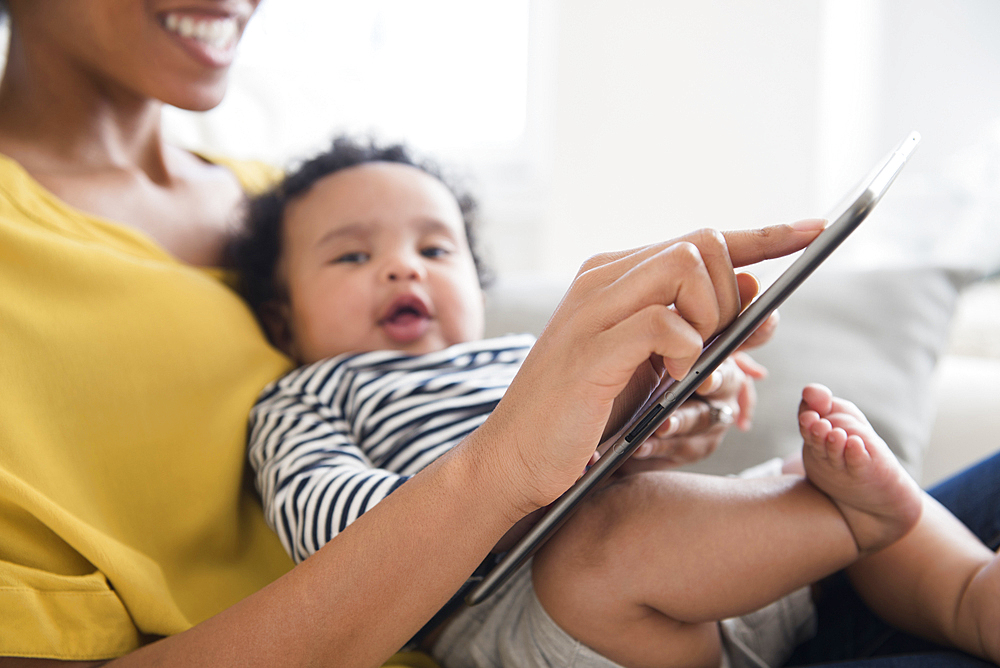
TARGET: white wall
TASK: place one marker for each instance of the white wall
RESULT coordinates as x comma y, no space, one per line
939,73
648,118
674,115
668,116
644,119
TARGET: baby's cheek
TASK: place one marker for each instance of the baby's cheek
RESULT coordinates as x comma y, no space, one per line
475,319
321,338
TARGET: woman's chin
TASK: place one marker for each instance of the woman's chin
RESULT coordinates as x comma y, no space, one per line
196,97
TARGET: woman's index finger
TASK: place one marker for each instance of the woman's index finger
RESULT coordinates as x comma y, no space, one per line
766,243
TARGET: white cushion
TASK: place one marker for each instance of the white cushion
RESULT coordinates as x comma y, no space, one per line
873,337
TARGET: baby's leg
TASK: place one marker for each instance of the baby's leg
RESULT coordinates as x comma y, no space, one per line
940,582
646,566
846,459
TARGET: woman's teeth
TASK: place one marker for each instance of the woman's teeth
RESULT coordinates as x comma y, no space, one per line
218,33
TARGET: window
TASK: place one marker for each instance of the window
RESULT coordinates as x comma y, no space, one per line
451,78
448,76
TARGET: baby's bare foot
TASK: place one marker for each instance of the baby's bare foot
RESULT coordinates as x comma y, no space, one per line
847,460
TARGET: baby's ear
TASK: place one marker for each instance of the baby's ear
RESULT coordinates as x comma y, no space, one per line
275,316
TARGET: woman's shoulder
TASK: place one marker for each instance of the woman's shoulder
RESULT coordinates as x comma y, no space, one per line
255,176
14,180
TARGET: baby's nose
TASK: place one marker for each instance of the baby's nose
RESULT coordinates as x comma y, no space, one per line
403,268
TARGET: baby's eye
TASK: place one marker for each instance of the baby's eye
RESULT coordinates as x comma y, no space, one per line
356,257
435,251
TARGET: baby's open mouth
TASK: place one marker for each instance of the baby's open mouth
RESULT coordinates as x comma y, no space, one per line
406,319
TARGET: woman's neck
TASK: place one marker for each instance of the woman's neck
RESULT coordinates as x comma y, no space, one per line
53,118
103,153
97,145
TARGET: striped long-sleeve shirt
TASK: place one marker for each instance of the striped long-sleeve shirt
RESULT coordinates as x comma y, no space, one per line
330,440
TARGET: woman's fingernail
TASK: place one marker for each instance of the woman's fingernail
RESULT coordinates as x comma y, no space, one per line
644,451
714,382
809,225
673,424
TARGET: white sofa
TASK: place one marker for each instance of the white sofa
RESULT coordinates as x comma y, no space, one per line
918,349
967,399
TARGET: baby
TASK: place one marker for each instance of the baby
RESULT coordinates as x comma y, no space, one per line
361,267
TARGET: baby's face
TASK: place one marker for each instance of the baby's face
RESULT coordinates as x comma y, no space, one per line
376,257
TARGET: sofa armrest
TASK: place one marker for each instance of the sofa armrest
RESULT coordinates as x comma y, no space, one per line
967,423
967,397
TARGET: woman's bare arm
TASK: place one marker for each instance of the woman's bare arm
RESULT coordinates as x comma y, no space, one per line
364,594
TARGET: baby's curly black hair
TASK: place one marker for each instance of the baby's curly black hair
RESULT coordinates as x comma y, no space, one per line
255,251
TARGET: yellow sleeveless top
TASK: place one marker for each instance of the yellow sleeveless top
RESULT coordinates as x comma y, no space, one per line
126,378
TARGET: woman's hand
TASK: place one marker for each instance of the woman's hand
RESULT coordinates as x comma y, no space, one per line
698,426
655,305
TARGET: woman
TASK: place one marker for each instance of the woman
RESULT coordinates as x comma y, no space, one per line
129,367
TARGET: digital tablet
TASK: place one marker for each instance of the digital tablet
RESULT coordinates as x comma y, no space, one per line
670,393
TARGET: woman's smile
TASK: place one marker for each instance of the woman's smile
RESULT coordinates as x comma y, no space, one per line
210,38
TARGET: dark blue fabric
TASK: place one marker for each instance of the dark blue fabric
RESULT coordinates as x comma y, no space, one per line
930,659
851,635
974,497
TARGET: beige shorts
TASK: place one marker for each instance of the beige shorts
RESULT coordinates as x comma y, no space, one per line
512,630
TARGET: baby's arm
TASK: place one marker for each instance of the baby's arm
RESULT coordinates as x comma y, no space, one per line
312,477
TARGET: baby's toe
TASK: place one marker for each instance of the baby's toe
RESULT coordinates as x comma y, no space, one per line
807,419
845,407
818,397
835,440
834,444
856,451
819,431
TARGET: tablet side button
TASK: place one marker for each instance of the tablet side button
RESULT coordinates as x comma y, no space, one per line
650,416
